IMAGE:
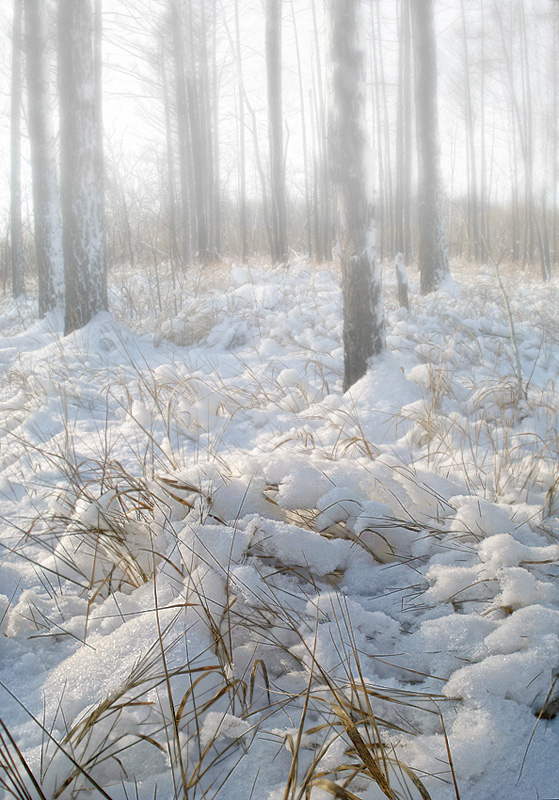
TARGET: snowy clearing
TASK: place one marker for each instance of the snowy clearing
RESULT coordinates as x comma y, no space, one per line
224,578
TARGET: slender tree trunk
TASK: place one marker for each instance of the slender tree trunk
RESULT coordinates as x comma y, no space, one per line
532,224
380,99
81,165
243,229
484,183
522,116
308,211
432,254
16,227
198,82
46,197
170,159
474,238
351,171
555,142
381,206
215,154
275,129
198,142
183,130
322,167
402,278
404,165
316,193
388,139
98,78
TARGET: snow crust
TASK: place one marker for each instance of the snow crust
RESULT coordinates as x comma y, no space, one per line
194,517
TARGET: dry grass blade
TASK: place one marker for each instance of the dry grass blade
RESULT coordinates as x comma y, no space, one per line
450,761
363,752
59,747
332,788
259,664
291,783
11,778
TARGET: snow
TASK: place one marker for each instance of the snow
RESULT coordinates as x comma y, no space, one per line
200,531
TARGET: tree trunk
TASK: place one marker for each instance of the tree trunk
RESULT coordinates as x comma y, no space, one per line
196,86
16,229
308,212
170,162
275,130
474,238
323,216
432,253
351,163
243,229
46,197
81,165
183,129
215,154
404,149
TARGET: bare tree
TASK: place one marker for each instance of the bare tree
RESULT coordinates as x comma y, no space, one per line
432,252
46,196
81,164
351,164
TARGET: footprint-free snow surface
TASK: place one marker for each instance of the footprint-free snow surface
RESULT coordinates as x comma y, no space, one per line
223,578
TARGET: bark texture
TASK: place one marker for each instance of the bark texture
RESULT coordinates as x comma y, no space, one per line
351,164
81,163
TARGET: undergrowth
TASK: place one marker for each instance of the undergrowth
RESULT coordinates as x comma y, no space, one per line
236,657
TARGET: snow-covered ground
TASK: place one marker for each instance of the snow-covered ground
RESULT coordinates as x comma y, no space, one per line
221,577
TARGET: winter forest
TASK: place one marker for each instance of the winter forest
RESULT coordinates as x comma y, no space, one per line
279,434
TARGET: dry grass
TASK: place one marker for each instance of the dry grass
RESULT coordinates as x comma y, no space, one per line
117,525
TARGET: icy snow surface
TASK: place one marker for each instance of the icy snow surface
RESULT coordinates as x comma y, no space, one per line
209,552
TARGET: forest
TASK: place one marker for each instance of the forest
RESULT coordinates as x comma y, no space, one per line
279,347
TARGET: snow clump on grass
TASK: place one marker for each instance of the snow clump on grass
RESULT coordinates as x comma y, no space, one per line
215,560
